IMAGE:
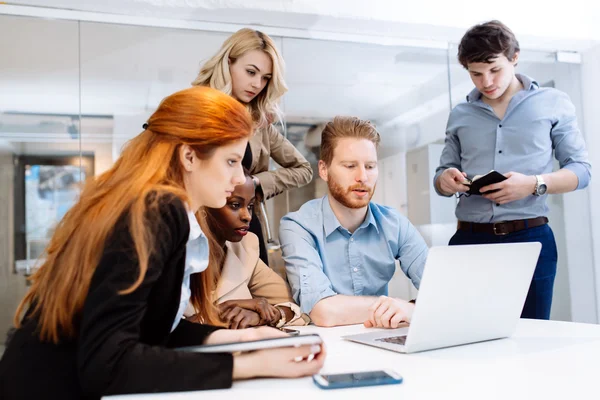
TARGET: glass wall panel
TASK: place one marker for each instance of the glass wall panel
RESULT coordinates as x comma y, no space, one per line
40,165
402,90
125,72
71,95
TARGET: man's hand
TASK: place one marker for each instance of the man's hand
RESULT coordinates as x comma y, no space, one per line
388,312
516,187
451,181
269,314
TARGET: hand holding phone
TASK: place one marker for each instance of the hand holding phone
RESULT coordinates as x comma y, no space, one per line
357,379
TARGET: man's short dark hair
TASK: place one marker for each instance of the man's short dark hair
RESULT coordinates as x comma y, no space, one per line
483,43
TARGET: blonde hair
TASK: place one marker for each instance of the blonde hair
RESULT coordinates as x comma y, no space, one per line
264,107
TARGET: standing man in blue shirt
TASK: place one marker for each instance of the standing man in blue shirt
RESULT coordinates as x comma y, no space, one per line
340,250
511,125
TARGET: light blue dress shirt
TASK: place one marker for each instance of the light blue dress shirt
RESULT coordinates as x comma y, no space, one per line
196,260
323,259
538,122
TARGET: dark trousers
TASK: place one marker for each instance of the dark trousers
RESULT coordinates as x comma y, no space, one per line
539,298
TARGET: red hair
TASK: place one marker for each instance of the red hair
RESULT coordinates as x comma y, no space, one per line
200,117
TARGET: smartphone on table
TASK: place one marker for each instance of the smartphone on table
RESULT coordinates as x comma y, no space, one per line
292,332
356,379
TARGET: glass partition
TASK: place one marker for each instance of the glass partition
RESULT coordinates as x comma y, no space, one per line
40,165
72,93
125,72
404,91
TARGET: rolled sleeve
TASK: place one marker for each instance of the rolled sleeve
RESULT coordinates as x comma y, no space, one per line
583,173
295,172
570,148
310,299
303,265
412,252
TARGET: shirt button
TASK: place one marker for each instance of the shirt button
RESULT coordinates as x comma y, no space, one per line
355,269
497,204
500,126
500,151
352,239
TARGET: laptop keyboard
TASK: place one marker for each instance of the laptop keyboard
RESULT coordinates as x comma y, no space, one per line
394,339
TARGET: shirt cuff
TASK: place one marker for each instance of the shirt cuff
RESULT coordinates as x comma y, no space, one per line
295,309
309,300
267,184
583,174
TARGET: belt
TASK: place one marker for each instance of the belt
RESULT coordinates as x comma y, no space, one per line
502,227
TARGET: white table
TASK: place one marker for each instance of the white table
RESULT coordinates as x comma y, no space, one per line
542,360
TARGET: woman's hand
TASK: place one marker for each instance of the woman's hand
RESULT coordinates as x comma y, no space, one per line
240,318
287,362
261,332
269,315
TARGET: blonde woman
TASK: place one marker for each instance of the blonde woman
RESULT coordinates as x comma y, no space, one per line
250,68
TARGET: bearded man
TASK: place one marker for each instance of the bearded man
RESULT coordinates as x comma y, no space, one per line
340,251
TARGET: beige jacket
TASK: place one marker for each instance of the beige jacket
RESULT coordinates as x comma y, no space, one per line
245,276
268,143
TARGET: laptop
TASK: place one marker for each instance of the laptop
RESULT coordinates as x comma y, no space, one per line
468,294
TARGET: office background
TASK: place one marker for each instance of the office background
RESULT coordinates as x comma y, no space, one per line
79,78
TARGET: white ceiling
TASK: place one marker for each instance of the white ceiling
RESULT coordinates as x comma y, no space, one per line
539,24
128,69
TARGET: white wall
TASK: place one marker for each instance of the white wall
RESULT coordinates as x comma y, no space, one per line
392,191
574,291
12,286
6,212
591,127
125,128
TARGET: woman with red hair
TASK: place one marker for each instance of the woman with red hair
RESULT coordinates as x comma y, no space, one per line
103,313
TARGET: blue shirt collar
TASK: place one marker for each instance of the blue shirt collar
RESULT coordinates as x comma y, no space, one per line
528,84
331,223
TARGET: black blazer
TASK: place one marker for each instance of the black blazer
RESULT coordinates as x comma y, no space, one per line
123,342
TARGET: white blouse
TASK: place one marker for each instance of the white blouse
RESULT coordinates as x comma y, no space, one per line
196,260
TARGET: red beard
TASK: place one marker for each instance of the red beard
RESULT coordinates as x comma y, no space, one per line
346,197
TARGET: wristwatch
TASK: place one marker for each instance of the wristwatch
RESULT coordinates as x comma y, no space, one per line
540,186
